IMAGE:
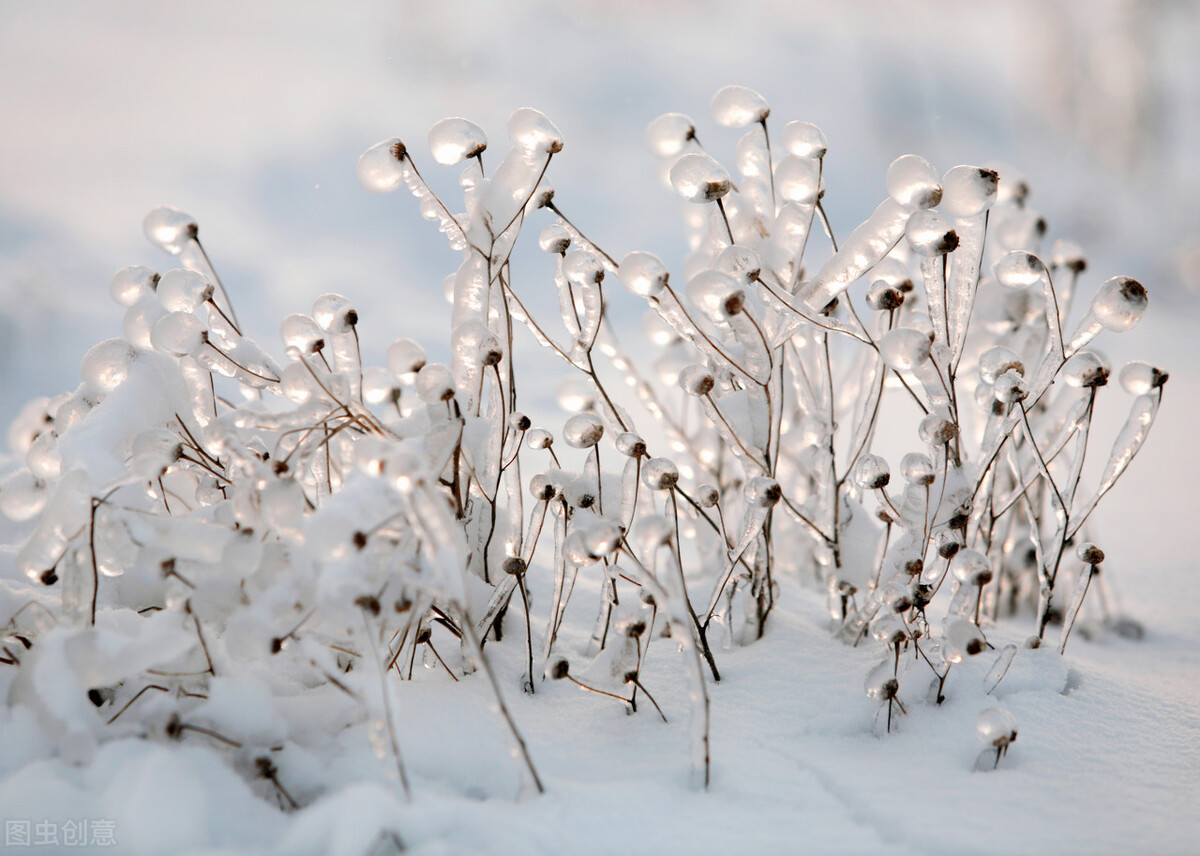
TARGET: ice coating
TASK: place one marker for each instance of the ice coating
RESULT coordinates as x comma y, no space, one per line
1139,378
971,567
453,140
865,248
740,262
738,106
660,473
962,639
913,182
23,496
904,349
917,468
405,357
669,134
1120,303
183,290
996,727
996,360
1011,387
750,157
539,438
106,366
435,383
583,267
1085,369
717,294
880,684
334,313
179,334
630,444
697,177
696,380
554,239
302,332
381,168
1069,255
130,284
797,179
643,274
871,472
968,190
169,228
804,140
930,234
532,132
1019,269
762,492
583,430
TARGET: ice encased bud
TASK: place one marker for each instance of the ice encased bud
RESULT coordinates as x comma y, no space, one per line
798,179
334,313
405,357
917,468
738,106
1019,269
804,139
455,139
696,380
667,135
740,262
904,349
183,290
179,334
1138,378
962,639
996,727
717,294
302,332
913,182
169,228
106,365
630,445
539,438
554,239
762,492
583,267
971,567
1011,387
1120,303
968,190
871,472
1085,369
996,360
660,474
643,274
129,284
697,177
381,168
435,382
930,234
531,131
583,430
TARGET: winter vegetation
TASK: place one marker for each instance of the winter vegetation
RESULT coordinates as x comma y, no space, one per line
808,531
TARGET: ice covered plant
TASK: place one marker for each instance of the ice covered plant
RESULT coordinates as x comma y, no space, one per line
203,517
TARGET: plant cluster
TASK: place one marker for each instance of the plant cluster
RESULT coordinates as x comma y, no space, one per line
198,510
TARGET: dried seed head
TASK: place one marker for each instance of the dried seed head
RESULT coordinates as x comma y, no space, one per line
368,603
883,297
559,669
1089,554
518,421
762,492
707,495
514,566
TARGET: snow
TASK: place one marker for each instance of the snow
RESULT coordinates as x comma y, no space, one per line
253,117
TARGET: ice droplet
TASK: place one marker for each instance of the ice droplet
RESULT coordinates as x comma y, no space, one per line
381,168
169,228
696,380
1019,269
1138,378
930,234
435,383
971,567
804,139
904,349
131,283
643,274
1120,303
301,332
530,130
996,727
183,290
554,239
1086,369
797,179
405,357
179,334
738,106
22,497
996,360
454,140
667,135
913,182
740,262
717,294
583,267
968,190
697,177
872,472
660,474
334,313
917,468
583,430
106,365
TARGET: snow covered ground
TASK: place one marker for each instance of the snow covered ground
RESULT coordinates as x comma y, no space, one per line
251,117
